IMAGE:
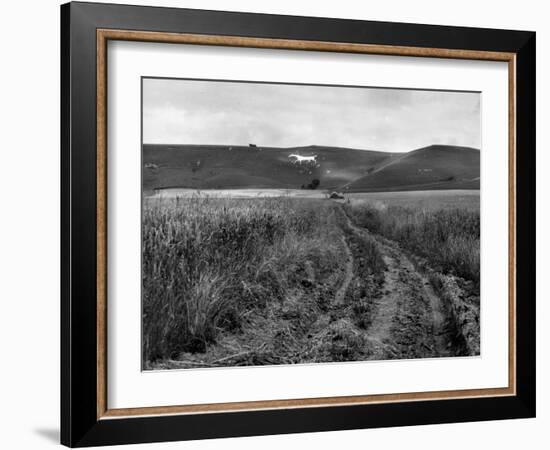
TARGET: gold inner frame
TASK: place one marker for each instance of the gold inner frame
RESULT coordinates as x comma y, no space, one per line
104,35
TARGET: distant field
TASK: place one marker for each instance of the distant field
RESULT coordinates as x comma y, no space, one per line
237,193
428,200
422,199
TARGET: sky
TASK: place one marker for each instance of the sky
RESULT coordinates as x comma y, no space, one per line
278,115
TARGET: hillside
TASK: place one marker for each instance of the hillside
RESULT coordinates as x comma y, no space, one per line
433,167
231,167
219,167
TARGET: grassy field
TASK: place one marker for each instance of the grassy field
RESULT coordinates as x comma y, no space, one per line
238,281
209,263
442,232
448,237
419,200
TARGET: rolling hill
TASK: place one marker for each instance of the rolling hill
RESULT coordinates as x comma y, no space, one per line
231,167
433,167
219,167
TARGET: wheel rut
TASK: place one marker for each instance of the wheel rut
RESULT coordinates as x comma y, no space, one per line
348,274
407,301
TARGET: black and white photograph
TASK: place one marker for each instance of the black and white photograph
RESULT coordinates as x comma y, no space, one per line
298,224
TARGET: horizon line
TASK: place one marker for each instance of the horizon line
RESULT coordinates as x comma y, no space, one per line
252,145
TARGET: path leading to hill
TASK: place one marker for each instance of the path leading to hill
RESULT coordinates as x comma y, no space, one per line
409,318
357,309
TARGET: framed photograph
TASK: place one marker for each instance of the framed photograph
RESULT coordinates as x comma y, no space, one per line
276,224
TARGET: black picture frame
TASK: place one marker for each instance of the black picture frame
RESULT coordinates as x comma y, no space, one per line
80,425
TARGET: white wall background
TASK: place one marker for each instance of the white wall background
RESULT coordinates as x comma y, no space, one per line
29,223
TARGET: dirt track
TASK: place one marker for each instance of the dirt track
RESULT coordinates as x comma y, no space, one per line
348,275
409,318
353,313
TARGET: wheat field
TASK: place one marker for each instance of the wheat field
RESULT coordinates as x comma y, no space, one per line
286,280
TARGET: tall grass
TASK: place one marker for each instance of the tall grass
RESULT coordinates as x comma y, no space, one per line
206,262
449,238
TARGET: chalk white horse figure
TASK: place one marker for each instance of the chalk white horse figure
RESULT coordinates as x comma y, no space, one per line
300,159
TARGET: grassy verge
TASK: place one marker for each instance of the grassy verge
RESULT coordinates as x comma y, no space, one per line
208,263
463,303
449,238
448,244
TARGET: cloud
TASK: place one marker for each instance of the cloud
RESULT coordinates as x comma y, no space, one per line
281,115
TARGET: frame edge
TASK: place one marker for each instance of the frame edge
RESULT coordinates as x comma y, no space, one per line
65,126
73,432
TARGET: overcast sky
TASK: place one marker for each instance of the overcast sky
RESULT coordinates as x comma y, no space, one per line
394,120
